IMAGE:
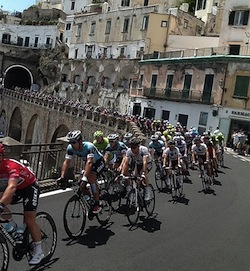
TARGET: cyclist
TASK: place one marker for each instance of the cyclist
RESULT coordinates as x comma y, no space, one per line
201,151
100,142
139,157
115,152
171,158
212,154
126,139
156,147
93,167
19,182
182,146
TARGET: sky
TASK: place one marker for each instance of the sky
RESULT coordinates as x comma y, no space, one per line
16,5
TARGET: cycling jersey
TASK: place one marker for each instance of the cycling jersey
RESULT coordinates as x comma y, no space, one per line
138,159
118,150
101,146
158,146
173,154
88,150
201,150
10,168
181,145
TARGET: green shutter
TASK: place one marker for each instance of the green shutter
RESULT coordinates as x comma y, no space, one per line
241,86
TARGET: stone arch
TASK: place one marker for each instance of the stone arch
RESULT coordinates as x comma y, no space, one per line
2,123
79,73
18,76
60,131
109,76
66,73
31,130
15,127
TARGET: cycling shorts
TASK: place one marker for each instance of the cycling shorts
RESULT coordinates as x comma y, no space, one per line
139,167
29,196
98,166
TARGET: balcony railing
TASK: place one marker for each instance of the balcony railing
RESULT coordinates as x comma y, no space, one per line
185,95
198,52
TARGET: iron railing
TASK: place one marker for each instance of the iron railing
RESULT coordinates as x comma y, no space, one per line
183,95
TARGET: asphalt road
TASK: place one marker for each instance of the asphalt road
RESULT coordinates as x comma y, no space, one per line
201,232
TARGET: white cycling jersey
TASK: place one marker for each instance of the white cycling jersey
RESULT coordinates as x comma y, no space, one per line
138,159
174,154
201,150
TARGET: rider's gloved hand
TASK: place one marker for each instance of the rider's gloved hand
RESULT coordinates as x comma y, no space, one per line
84,179
1,207
62,183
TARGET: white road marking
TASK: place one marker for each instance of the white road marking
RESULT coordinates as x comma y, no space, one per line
52,193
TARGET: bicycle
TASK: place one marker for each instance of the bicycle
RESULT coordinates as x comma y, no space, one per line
135,200
23,244
176,183
205,179
80,206
160,176
117,191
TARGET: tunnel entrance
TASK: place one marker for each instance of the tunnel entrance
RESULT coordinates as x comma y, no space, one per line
17,76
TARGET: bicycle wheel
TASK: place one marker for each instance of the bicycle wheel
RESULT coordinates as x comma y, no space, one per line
133,208
48,235
158,179
150,204
4,253
204,181
114,190
173,187
179,181
104,215
74,217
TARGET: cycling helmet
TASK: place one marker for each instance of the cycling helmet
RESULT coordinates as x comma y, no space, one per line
98,134
127,136
171,142
112,137
2,150
135,141
154,137
158,133
220,136
197,139
177,138
74,136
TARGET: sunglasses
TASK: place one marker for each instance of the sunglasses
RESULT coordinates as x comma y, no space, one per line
134,147
73,142
111,141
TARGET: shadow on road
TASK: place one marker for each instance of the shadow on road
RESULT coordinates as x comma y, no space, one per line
94,236
45,266
147,223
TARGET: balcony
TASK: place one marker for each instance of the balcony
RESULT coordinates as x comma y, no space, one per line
188,96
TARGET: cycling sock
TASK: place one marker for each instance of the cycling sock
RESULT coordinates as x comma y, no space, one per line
38,247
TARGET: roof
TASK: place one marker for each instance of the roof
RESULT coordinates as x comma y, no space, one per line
9,141
195,59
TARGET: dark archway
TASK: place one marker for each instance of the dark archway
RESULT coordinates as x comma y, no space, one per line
60,131
17,76
30,130
15,130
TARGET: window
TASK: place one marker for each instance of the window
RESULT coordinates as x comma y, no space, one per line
108,27
241,86
207,89
76,53
145,3
72,5
201,4
26,41
92,28
145,22
36,42
164,23
79,30
122,52
185,24
68,26
165,114
203,118
169,83
125,3
125,25
234,49
238,17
